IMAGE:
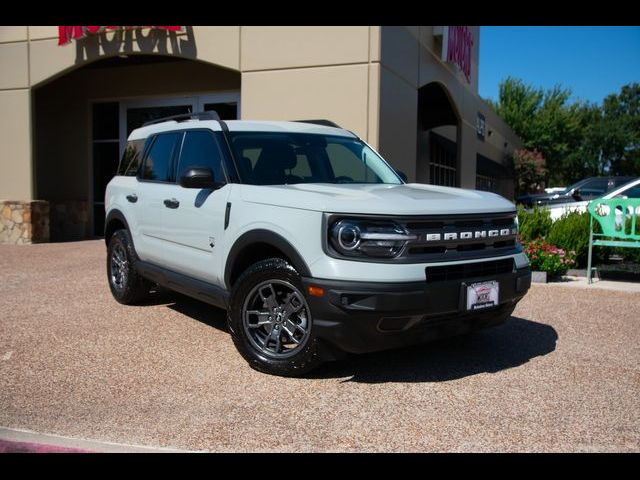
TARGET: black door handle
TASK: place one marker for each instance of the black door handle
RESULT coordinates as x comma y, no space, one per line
133,198
173,203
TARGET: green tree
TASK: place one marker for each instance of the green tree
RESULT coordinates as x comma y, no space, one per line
584,158
543,120
619,131
518,105
578,139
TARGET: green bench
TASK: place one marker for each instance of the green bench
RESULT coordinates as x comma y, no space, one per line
618,219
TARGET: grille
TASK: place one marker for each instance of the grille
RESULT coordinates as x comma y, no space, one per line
469,270
464,244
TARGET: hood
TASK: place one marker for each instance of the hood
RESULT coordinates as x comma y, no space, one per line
408,199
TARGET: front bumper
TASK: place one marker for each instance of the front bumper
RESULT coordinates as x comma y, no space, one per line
360,317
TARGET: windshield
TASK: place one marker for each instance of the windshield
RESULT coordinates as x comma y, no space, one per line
575,185
266,158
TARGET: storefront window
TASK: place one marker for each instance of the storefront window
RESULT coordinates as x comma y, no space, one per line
226,111
136,117
443,162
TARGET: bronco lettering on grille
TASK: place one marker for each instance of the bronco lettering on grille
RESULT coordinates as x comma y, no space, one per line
437,237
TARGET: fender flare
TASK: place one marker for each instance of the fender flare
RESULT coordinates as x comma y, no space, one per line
270,238
114,214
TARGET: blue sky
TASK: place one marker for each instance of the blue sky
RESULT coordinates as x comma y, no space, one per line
592,61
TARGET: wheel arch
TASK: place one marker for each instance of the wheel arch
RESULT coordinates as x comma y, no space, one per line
115,221
257,245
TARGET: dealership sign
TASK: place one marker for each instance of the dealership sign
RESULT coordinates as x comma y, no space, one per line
457,42
67,33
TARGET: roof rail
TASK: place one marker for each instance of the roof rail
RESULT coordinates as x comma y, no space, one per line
210,115
326,123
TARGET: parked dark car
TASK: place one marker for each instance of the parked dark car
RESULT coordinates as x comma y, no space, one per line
586,189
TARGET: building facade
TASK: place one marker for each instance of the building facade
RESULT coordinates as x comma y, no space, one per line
69,97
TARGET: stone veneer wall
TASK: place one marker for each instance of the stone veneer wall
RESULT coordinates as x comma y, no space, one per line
24,222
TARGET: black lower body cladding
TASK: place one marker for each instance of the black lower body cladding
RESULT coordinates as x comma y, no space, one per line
359,317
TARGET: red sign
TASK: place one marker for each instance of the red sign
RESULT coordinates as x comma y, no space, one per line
65,33
456,48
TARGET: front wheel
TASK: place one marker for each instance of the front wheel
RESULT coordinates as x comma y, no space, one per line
270,320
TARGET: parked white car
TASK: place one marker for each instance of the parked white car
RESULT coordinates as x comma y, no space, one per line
628,190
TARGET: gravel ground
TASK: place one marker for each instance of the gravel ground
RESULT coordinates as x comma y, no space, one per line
562,374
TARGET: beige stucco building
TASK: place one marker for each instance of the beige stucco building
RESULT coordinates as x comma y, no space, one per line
66,110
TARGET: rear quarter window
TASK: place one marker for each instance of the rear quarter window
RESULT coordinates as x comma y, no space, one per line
130,161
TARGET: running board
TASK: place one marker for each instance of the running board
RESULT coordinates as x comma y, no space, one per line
203,291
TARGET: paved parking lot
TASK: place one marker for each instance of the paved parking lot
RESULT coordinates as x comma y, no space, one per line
562,375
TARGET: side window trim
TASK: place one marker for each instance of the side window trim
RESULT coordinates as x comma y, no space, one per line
177,150
150,141
145,151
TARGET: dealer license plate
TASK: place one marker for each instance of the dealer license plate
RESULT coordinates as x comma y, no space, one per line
482,295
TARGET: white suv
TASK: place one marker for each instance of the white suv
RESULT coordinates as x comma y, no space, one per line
306,236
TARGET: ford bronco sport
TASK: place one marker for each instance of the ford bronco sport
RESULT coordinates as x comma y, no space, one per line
313,244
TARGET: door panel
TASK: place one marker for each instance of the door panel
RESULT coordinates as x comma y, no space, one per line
150,208
155,187
195,231
196,227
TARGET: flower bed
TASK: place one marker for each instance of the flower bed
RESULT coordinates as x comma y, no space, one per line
545,257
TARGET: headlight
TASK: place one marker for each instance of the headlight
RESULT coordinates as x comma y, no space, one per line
364,238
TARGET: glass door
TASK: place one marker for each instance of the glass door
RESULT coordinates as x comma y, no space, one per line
135,113
226,104
113,121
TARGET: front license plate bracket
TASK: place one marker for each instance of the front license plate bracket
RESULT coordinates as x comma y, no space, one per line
481,295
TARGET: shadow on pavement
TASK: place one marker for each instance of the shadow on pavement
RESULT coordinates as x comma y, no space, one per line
200,311
487,351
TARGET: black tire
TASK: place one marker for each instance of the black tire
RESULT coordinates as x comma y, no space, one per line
302,357
131,287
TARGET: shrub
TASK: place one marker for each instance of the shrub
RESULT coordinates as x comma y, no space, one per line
545,257
533,224
571,233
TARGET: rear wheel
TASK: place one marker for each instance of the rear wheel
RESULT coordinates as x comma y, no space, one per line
270,320
126,285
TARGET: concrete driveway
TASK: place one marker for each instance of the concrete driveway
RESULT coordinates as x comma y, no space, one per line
562,375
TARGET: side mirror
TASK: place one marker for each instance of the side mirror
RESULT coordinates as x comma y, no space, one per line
402,175
198,177
576,194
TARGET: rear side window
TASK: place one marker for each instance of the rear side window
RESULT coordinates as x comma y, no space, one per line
130,162
200,149
158,162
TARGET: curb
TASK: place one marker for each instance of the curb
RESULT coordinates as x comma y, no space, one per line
14,440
